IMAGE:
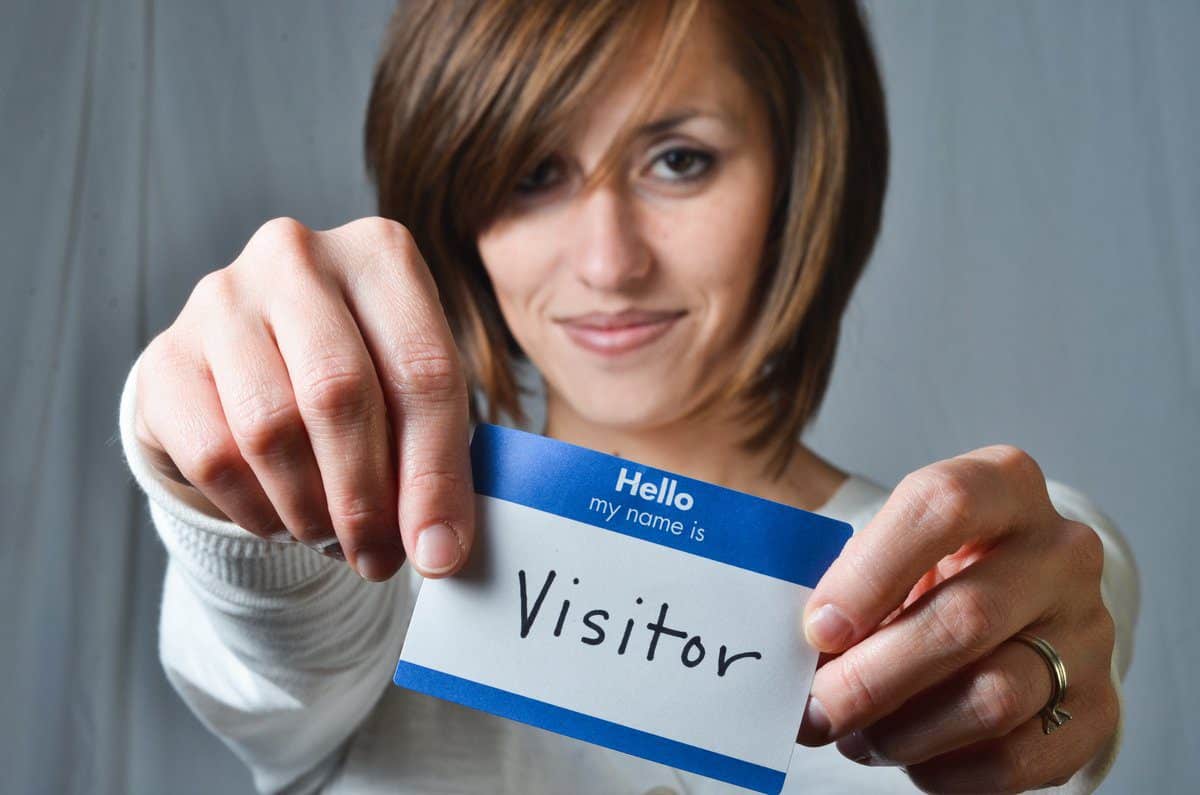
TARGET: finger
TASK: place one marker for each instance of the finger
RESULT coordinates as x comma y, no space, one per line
396,303
975,498
814,714
182,411
341,404
988,699
260,407
153,450
1026,758
955,623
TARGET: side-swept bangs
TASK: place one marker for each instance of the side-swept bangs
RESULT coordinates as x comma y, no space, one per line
469,95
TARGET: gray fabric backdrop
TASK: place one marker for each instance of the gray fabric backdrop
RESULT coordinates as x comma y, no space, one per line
1036,283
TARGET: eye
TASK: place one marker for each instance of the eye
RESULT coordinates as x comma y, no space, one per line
684,164
542,176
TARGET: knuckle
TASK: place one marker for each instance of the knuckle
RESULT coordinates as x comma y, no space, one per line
965,619
213,466
390,243
392,234
435,479
262,426
356,515
856,689
282,233
164,354
1087,550
283,248
428,370
214,292
946,494
996,703
1017,462
336,389
160,348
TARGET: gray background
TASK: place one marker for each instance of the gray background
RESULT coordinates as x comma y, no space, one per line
1036,283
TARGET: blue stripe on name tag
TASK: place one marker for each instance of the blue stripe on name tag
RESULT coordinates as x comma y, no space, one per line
588,728
739,529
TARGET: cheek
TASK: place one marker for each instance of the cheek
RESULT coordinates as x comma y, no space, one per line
715,246
518,262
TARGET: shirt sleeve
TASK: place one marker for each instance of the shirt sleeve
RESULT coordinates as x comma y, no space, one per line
278,650
1120,590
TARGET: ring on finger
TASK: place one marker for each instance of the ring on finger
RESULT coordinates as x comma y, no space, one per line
1053,714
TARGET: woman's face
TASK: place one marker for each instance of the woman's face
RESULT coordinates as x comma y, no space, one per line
629,299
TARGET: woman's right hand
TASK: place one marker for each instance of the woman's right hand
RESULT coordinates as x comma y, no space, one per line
312,387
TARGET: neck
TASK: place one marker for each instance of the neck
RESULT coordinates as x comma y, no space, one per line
708,450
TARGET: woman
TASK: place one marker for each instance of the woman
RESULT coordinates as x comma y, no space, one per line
664,208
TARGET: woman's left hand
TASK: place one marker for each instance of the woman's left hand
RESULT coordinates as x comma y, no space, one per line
922,604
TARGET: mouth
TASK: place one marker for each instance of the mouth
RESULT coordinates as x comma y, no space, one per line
612,334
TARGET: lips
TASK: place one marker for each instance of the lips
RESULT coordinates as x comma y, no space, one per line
613,333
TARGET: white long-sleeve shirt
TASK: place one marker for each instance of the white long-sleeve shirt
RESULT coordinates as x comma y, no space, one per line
287,656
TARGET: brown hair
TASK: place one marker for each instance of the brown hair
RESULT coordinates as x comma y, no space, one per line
469,95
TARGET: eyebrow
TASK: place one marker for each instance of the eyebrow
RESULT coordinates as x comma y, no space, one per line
677,118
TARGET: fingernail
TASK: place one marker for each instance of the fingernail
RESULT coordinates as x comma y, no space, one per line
817,721
438,549
377,562
282,537
331,549
828,629
857,747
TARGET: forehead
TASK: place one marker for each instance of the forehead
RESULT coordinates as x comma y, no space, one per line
704,77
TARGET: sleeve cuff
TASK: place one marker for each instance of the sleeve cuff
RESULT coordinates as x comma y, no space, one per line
216,552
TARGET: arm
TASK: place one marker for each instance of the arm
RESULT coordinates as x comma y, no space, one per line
277,649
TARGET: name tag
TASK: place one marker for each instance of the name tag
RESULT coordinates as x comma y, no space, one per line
627,606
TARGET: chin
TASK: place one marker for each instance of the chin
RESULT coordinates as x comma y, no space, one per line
639,395
618,410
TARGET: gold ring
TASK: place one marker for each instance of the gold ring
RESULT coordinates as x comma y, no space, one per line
1053,715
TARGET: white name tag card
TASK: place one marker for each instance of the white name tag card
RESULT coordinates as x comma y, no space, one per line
627,606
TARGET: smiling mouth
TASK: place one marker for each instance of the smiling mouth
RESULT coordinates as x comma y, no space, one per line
612,334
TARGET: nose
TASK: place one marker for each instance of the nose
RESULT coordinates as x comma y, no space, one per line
607,248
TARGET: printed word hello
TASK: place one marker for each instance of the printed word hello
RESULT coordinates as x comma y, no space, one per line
664,492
